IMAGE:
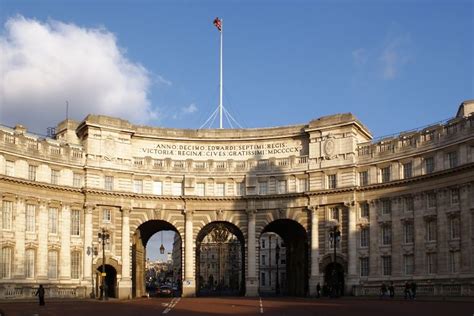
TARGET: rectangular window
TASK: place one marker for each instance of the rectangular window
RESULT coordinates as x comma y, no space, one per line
454,261
106,215
431,262
364,266
364,210
332,182
454,196
263,243
75,265
334,211
281,186
157,188
138,186
408,264
177,188
6,263
200,189
32,173
54,176
264,262
30,217
7,214
109,183
431,230
454,227
408,232
53,220
429,165
385,174
262,188
386,265
409,204
452,159
363,178
77,180
75,222
386,207
386,235
263,278
52,264
9,168
220,189
407,170
431,199
301,185
240,188
364,237
30,263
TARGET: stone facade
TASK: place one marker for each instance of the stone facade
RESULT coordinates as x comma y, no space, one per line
404,204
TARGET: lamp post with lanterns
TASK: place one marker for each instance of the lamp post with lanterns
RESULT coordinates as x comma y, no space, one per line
92,251
334,237
104,237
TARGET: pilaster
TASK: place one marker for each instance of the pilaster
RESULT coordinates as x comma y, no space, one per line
189,283
251,280
314,276
125,284
19,225
42,255
65,251
374,253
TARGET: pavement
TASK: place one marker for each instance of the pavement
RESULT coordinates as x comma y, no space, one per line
241,306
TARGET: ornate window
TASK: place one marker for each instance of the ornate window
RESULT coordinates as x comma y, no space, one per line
7,214
364,237
30,217
9,168
200,189
75,264
364,266
76,180
431,262
408,232
262,188
386,265
407,170
429,165
386,235
138,186
52,264
363,178
431,228
220,189
6,263
30,263
385,173
332,181
454,261
386,207
364,210
54,176
177,188
157,187
32,173
408,264
53,220
281,186
75,222
452,159
431,199
106,215
109,183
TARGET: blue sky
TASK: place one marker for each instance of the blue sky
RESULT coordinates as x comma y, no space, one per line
396,65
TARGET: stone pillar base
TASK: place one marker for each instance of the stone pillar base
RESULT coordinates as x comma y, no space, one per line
313,282
251,287
125,289
349,285
189,289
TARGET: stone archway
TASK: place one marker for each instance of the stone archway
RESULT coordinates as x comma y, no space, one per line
109,282
220,260
296,257
140,239
334,275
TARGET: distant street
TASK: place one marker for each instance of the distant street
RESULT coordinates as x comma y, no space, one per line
240,306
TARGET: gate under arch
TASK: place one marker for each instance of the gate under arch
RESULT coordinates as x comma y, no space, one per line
220,260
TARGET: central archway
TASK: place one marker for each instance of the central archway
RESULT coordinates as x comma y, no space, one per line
140,239
295,242
220,260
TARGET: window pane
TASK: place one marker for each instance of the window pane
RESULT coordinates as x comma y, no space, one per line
7,214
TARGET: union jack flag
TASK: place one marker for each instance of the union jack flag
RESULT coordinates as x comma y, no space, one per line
218,24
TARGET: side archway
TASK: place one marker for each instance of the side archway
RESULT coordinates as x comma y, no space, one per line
295,243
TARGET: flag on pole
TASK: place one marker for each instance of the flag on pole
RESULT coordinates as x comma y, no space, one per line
218,24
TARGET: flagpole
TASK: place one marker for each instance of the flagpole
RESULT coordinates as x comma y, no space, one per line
221,80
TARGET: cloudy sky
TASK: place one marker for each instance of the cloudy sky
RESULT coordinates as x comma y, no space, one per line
396,65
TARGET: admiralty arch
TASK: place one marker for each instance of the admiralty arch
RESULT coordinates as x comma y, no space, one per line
347,207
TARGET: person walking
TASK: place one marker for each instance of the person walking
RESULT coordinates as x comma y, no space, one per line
407,291
40,294
413,290
383,290
318,290
391,290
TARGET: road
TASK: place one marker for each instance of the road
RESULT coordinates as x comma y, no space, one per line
240,306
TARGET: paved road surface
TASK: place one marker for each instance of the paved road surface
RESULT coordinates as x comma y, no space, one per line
239,306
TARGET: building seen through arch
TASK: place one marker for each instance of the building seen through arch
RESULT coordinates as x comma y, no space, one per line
347,211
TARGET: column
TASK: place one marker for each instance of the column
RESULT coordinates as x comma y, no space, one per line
42,254
252,280
374,255
189,284
314,277
352,245
125,284
419,251
87,257
65,252
465,232
397,235
20,226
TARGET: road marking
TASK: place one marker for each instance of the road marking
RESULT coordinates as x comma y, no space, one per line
172,304
261,306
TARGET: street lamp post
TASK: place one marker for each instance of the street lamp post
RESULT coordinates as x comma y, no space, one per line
277,256
334,236
92,251
104,237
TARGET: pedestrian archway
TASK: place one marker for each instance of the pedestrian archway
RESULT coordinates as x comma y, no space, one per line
292,258
333,280
220,264
141,237
109,283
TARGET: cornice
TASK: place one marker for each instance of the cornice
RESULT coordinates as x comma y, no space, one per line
54,187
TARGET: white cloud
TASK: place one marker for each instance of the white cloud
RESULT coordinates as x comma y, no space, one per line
394,56
192,108
44,64
359,56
